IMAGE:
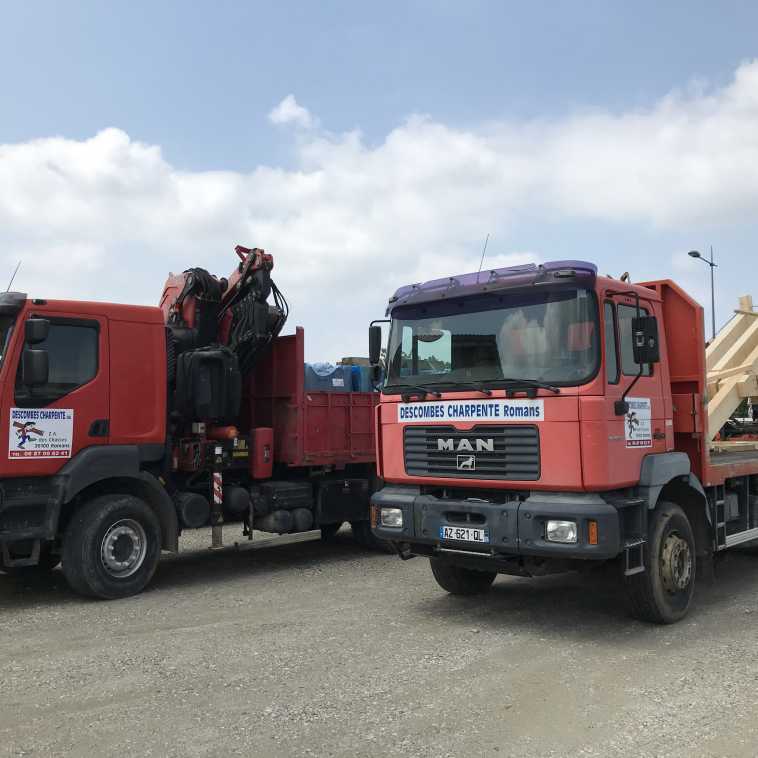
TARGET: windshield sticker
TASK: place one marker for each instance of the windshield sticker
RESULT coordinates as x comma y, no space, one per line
40,433
637,425
469,410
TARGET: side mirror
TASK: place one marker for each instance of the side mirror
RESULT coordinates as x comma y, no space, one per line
645,340
35,367
36,330
374,345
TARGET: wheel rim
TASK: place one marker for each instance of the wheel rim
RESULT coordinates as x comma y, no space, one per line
123,548
676,563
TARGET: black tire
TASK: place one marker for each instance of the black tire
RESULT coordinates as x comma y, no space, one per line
111,547
48,561
662,594
365,537
461,581
329,531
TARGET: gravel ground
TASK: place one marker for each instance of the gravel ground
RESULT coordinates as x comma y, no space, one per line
323,650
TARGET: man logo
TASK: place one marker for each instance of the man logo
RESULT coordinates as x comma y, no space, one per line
466,463
464,445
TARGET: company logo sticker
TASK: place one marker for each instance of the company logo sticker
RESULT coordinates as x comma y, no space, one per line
637,424
471,410
40,433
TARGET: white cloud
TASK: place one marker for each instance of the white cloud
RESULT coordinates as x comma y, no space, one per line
108,217
289,111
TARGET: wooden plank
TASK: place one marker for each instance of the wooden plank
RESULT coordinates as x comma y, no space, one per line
742,347
729,334
724,446
717,376
730,395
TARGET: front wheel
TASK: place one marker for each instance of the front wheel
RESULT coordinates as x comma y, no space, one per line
461,581
111,547
663,592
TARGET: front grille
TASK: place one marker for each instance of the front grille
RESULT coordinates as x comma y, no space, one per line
484,452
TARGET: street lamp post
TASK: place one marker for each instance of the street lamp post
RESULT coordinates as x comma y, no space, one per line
696,254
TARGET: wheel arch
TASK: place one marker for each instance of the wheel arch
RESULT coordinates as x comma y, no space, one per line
118,469
667,477
688,494
142,485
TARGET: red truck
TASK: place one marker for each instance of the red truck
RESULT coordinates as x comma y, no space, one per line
540,419
125,425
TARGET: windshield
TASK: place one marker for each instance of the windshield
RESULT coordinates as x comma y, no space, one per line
548,336
6,330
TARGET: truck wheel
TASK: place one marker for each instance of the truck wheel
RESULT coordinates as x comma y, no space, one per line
663,592
461,581
365,537
111,547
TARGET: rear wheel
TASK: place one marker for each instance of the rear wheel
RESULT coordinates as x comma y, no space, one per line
461,581
111,547
663,592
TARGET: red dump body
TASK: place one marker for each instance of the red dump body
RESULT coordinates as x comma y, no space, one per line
310,428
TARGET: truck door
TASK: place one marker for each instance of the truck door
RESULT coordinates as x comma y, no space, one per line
641,430
48,425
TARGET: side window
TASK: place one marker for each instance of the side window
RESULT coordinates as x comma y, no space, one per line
611,347
72,351
625,315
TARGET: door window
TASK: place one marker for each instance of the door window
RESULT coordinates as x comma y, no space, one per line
72,350
611,345
625,315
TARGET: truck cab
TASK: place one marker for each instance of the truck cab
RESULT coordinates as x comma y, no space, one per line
83,406
526,426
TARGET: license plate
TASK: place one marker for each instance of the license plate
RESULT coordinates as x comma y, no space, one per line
464,534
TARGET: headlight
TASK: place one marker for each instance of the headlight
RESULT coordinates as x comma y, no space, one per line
392,517
561,531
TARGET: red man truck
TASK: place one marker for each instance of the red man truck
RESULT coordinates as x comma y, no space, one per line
540,419
125,425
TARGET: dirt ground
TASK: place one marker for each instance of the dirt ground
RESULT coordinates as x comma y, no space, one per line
324,650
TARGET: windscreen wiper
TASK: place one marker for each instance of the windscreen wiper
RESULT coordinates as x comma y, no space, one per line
455,386
529,383
415,390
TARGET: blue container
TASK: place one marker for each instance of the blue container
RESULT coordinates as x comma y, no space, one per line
362,381
323,377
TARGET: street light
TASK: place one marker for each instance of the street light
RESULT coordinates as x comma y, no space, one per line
696,254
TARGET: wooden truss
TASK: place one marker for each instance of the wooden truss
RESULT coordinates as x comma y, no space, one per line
732,368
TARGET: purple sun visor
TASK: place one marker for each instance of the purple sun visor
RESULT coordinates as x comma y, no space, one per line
577,273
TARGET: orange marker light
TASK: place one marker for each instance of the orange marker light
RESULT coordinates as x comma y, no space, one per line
592,532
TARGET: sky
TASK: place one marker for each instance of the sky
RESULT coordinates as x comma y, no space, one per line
369,146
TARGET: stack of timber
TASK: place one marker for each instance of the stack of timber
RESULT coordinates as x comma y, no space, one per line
732,372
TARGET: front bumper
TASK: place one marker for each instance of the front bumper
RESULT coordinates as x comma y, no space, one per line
516,527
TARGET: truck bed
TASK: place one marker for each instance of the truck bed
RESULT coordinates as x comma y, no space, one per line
310,428
732,457
725,464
